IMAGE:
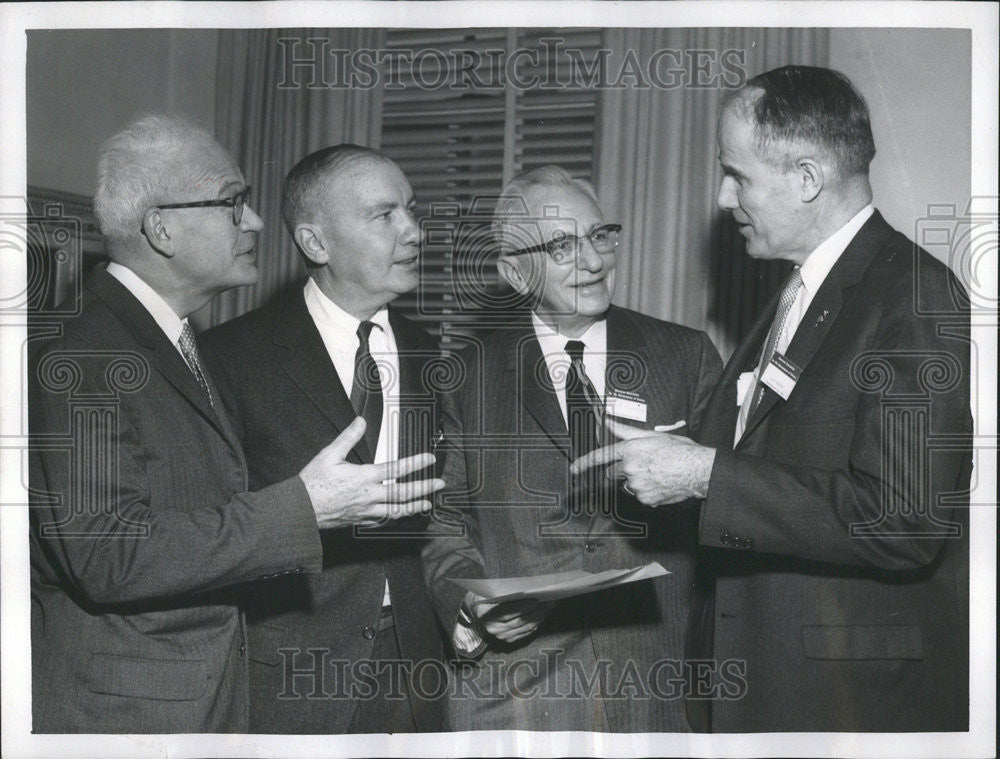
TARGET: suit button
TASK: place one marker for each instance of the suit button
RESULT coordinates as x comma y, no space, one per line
368,632
724,538
747,543
736,541
590,548
243,649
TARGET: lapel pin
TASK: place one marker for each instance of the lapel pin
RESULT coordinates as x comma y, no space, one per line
822,316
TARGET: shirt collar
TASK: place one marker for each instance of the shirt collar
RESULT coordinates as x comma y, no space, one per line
165,316
336,317
595,339
821,260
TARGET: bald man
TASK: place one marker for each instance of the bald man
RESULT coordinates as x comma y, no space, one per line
341,652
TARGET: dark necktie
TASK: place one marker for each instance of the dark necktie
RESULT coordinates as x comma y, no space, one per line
583,406
366,392
588,492
788,295
190,351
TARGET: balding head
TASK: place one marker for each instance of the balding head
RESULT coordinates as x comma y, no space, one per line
307,185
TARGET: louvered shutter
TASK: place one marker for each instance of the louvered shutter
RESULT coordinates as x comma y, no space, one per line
460,135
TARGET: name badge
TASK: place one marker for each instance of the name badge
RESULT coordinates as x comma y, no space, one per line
781,375
625,405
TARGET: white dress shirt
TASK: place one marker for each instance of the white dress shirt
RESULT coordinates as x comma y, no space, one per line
595,358
339,331
814,272
165,316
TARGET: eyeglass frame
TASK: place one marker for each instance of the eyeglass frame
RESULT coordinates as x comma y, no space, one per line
546,247
237,202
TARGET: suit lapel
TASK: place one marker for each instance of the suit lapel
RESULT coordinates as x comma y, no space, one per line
308,365
825,307
166,358
525,365
414,349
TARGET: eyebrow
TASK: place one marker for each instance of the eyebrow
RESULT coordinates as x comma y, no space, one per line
229,189
380,208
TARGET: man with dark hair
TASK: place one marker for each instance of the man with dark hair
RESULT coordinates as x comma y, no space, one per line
534,395
143,525
835,455
339,652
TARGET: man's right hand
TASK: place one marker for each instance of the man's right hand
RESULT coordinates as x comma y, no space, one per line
509,621
345,494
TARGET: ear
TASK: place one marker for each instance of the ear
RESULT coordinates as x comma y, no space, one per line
511,272
155,231
811,178
311,242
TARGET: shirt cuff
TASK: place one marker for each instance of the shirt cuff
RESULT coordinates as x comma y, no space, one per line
468,635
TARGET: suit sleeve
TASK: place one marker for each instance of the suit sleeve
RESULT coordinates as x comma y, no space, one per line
706,378
450,550
873,506
121,536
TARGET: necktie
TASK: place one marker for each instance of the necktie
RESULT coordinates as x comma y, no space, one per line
366,392
588,494
190,351
583,406
788,295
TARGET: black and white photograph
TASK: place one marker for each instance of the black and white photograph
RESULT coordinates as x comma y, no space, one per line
455,379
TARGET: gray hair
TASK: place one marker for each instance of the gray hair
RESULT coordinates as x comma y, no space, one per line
512,206
139,166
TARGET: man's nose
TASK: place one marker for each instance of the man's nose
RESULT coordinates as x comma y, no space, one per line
726,199
588,258
409,233
250,222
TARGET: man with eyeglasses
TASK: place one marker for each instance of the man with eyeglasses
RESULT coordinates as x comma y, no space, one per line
143,527
535,397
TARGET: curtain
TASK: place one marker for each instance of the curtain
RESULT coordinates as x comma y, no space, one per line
268,128
658,174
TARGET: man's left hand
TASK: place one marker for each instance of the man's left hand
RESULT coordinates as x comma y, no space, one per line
658,467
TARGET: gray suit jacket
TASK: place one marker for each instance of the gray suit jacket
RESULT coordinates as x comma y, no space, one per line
505,513
141,523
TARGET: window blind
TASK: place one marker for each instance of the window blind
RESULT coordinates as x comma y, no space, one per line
463,111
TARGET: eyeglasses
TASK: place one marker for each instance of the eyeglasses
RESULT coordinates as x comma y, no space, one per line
237,202
564,247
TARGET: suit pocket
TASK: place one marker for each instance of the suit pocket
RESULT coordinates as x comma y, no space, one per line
862,642
264,639
157,679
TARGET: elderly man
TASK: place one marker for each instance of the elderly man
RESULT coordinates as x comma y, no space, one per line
533,399
840,568
142,519
342,651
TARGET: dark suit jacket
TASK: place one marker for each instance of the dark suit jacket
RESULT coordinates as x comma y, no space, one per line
507,457
140,519
841,579
277,380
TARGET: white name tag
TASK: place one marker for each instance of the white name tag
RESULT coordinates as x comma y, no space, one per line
626,406
781,375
